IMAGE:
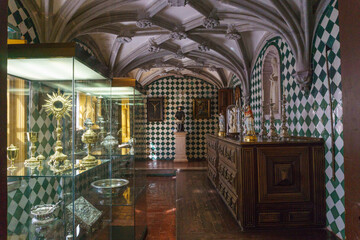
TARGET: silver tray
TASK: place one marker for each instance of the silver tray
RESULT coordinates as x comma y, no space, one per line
111,186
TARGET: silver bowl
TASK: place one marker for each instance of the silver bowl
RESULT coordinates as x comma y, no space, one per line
111,186
43,214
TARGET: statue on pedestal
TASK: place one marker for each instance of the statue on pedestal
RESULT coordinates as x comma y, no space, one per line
180,119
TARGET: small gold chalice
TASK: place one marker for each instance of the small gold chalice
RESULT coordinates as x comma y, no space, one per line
89,137
12,154
32,137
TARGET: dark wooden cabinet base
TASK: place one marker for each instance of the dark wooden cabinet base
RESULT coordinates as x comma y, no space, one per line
270,183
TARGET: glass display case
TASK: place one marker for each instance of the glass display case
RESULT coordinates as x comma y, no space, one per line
70,167
128,126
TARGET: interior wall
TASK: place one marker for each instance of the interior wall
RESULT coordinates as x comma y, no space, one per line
19,17
180,91
309,112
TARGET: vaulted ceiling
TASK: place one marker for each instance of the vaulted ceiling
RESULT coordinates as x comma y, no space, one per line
210,39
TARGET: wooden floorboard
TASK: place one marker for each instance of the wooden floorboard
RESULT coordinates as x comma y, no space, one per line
201,214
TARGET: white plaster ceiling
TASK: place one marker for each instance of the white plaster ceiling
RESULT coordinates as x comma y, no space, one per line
112,29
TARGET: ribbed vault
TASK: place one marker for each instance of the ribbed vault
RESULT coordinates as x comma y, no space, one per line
210,39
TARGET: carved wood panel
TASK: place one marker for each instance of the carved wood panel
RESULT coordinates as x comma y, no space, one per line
228,175
229,197
212,174
283,174
227,153
248,187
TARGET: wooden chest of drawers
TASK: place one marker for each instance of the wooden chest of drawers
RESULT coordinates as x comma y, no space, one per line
270,183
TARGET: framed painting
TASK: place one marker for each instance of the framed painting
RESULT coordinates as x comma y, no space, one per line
201,108
155,109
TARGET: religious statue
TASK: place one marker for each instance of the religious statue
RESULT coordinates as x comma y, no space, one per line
249,125
274,77
180,119
233,120
221,125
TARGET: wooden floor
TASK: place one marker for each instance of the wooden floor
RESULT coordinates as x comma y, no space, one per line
200,214
170,165
187,207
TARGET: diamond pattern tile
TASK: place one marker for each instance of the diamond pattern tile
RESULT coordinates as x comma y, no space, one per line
19,17
33,191
180,91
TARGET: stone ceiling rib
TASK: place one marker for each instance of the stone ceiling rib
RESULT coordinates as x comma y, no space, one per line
90,12
204,7
155,7
63,16
89,41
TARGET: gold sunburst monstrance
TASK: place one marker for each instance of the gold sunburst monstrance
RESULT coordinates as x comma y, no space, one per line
58,105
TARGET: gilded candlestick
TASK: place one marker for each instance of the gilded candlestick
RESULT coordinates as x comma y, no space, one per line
264,132
284,129
241,127
272,134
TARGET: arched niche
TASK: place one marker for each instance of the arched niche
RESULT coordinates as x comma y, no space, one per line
271,81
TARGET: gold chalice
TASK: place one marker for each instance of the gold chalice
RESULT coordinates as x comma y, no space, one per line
89,137
12,155
32,137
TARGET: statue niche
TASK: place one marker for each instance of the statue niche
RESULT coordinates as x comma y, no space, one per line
271,81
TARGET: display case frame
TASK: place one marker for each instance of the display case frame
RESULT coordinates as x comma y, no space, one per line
70,222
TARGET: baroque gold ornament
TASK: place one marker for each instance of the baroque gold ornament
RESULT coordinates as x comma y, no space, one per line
60,106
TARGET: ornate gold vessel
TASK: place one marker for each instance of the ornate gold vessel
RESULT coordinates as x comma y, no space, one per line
59,106
32,137
12,155
89,137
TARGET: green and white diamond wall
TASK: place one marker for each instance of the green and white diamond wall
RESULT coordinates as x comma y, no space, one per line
309,112
19,17
180,92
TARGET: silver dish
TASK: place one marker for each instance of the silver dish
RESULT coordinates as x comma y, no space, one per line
110,187
43,214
